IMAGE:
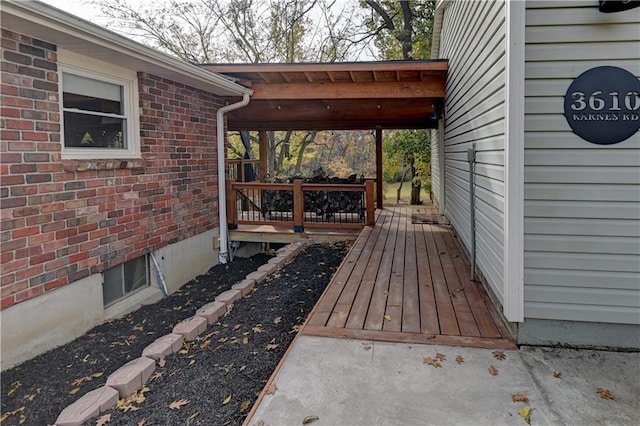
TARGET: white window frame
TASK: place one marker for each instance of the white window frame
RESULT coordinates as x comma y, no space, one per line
83,66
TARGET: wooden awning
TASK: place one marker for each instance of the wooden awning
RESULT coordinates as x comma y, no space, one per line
338,96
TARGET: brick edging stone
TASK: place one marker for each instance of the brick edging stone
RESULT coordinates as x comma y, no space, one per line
133,375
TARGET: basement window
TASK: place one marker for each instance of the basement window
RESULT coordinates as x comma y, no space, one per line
125,279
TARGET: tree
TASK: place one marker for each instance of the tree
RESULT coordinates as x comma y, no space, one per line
401,29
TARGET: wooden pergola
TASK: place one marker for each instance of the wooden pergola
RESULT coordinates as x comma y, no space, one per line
338,96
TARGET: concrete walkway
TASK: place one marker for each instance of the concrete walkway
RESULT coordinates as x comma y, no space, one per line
352,382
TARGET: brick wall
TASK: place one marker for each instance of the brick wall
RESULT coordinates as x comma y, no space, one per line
64,220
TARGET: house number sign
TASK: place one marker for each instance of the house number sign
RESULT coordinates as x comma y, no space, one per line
602,105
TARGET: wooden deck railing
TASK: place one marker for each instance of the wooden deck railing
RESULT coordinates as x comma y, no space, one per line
300,204
238,168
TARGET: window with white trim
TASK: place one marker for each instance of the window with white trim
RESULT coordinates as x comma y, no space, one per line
99,114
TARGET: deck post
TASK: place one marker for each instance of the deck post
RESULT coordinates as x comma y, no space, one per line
379,194
298,206
232,214
368,197
263,154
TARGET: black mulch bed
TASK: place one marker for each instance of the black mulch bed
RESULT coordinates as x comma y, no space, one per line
220,374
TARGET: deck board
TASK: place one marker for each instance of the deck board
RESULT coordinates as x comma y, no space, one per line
407,281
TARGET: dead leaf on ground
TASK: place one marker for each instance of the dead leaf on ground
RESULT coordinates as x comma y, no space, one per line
525,413
520,397
227,400
366,346
310,419
162,362
270,298
103,420
271,346
74,391
459,359
453,295
557,374
244,406
142,422
441,357
88,378
459,289
605,393
15,412
194,415
176,405
493,371
237,326
271,389
138,328
387,317
205,344
261,423
431,361
258,329
277,320
155,376
14,387
499,355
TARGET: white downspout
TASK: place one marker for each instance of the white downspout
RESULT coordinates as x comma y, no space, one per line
222,189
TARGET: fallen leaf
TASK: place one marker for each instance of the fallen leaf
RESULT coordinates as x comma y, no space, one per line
206,344
387,317
244,406
103,420
258,329
138,328
192,361
237,326
525,413
366,345
441,357
310,419
605,393
22,419
14,387
162,362
453,295
74,391
176,405
245,340
459,359
142,422
155,376
15,412
499,355
194,415
493,371
459,289
271,346
271,389
272,297
277,320
432,361
520,397
261,423
88,378
557,374
227,400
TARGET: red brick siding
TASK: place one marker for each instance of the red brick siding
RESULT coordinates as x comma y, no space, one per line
64,220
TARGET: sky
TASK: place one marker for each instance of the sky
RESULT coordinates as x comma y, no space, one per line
79,8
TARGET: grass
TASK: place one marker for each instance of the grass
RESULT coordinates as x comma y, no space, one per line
390,192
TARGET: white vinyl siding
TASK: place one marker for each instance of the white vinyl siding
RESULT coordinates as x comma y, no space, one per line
582,201
473,40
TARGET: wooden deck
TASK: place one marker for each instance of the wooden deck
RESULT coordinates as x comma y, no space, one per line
406,280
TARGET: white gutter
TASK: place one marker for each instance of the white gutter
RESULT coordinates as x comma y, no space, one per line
222,188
